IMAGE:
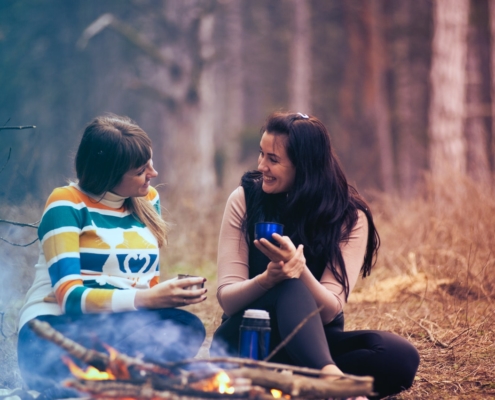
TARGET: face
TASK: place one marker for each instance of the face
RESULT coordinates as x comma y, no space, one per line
136,181
278,171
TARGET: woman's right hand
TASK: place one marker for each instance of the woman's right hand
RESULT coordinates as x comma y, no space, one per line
171,293
283,252
279,271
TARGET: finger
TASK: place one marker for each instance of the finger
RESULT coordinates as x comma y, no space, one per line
194,293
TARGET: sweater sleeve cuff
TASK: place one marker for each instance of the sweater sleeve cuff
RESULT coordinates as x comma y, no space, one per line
123,300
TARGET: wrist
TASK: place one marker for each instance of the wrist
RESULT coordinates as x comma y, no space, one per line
263,281
142,299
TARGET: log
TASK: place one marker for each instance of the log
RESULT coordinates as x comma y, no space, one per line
299,386
101,361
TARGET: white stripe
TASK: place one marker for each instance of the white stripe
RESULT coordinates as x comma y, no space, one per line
147,250
65,203
83,301
120,214
61,256
65,229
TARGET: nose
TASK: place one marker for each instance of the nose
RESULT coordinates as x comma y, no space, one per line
153,173
262,167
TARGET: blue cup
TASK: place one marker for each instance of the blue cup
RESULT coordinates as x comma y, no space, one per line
266,229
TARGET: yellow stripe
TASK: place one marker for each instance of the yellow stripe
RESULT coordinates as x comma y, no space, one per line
90,240
99,300
64,242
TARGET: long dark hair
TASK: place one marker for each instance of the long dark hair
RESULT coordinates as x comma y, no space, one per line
321,208
110,146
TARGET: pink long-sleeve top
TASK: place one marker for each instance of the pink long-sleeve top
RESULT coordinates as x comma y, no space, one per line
235,290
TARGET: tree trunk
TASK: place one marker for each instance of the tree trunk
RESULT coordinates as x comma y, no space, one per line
379,106
410,91
478,166
300,58
491,145
447,77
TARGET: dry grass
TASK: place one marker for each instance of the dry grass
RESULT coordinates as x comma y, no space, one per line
433,283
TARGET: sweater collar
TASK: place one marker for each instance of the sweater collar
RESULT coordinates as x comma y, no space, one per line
110,199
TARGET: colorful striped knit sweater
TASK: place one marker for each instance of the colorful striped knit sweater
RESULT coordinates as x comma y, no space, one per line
90,250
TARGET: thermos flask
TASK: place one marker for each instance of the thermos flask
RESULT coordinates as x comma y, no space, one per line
254,339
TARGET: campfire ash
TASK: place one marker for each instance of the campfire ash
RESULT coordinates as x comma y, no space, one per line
118,376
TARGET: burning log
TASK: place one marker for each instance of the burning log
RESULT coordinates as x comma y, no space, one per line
246,379
118,364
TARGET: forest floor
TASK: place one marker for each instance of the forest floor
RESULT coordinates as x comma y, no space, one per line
434,284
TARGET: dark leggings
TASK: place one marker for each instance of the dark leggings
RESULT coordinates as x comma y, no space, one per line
390,359
160,335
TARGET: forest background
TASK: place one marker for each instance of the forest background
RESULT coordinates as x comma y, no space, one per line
406,89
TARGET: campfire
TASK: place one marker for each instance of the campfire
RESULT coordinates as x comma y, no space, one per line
114,375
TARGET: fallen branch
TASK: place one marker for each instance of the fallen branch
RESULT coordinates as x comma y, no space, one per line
291,335
432,338
304,387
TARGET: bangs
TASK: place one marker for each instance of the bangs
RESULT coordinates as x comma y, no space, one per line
137,153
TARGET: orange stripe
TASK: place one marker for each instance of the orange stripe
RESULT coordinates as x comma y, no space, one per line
64,287
70,193
154,281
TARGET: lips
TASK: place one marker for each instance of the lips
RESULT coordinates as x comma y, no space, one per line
268,179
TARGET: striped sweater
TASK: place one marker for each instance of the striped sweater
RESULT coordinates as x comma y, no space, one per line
94,255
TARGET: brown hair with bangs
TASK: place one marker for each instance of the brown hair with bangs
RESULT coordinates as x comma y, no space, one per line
112,145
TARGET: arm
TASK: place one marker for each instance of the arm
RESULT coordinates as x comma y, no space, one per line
328,292
235,289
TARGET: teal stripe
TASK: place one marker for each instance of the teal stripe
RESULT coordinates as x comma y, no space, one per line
73,304
60,217
158,207
95,285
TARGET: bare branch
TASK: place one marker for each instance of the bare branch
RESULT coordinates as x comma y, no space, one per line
33,225
291,335
17,244
128,33
2,128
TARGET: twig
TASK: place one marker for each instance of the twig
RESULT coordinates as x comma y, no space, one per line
6,162
432,338
291,335
2,314
17,244
2,128
459,335
33,225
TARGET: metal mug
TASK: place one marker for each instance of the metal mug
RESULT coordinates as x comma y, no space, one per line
266,229
192,287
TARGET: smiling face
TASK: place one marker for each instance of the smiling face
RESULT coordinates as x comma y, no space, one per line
278,171
136,181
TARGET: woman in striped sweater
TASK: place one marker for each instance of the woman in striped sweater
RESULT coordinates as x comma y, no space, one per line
97,276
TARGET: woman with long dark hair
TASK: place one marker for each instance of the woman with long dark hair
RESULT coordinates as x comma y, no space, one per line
97,276
329,240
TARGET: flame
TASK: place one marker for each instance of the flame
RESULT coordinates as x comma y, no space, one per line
117,367
220,383
278,394
91,373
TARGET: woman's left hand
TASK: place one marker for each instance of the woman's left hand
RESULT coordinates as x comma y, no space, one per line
284,253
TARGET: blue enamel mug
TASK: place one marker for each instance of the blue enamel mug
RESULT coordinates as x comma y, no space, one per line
266,229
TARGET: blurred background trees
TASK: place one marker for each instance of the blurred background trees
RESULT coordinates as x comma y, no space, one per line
404,87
